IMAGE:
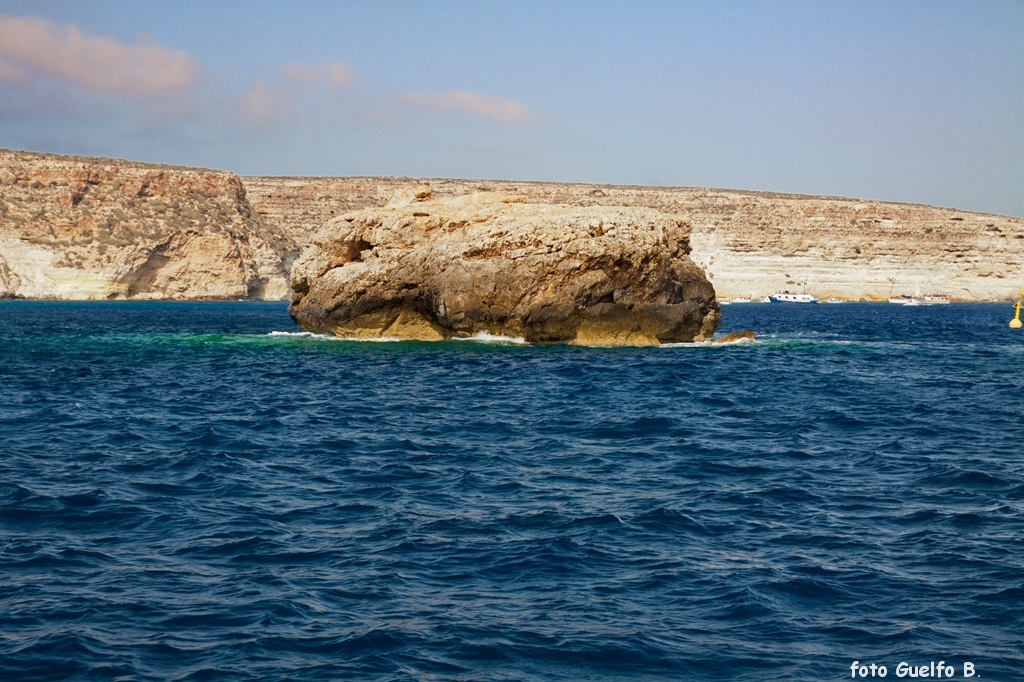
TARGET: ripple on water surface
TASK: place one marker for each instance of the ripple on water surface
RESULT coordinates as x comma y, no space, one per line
201,491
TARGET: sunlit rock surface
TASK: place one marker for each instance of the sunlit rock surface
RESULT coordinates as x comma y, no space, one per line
427,269
88,228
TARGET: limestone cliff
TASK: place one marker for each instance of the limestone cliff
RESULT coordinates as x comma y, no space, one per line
74,227
490,263
748,242
87,228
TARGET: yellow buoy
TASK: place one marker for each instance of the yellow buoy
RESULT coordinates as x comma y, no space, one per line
1015,322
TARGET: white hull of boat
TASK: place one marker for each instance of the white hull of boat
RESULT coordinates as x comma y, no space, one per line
786,297
920,300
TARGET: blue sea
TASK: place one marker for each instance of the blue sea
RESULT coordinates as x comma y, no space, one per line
199,491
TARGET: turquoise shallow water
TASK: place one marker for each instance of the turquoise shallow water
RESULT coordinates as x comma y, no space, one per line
197,491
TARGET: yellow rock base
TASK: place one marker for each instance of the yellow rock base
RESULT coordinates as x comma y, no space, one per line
407,325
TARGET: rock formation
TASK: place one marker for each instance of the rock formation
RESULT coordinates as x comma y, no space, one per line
749,243
74,227
734,337
430,269
86,228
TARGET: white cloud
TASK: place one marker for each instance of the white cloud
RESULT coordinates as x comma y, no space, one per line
261,107
10,74
474,103
31,47
330,75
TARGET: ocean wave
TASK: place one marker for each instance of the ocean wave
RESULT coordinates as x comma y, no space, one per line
712,343
332,337
300,335
485,337
479,337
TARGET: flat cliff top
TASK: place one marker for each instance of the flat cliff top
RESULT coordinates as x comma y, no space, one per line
299,204
16,156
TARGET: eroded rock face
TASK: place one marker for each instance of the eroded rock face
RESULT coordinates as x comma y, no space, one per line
87,228
428,269
749,243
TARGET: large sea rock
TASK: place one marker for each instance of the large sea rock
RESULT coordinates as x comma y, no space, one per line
429,269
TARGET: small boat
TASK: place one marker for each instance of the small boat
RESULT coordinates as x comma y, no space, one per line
787,297
740,299
834,300
919,299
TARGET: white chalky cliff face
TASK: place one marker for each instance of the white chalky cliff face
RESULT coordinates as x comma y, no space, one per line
750,244
428,269
87,229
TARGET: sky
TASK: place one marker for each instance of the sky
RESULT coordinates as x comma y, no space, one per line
916,101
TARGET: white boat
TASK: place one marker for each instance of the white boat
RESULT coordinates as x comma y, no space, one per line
740,299
787,297
919,299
